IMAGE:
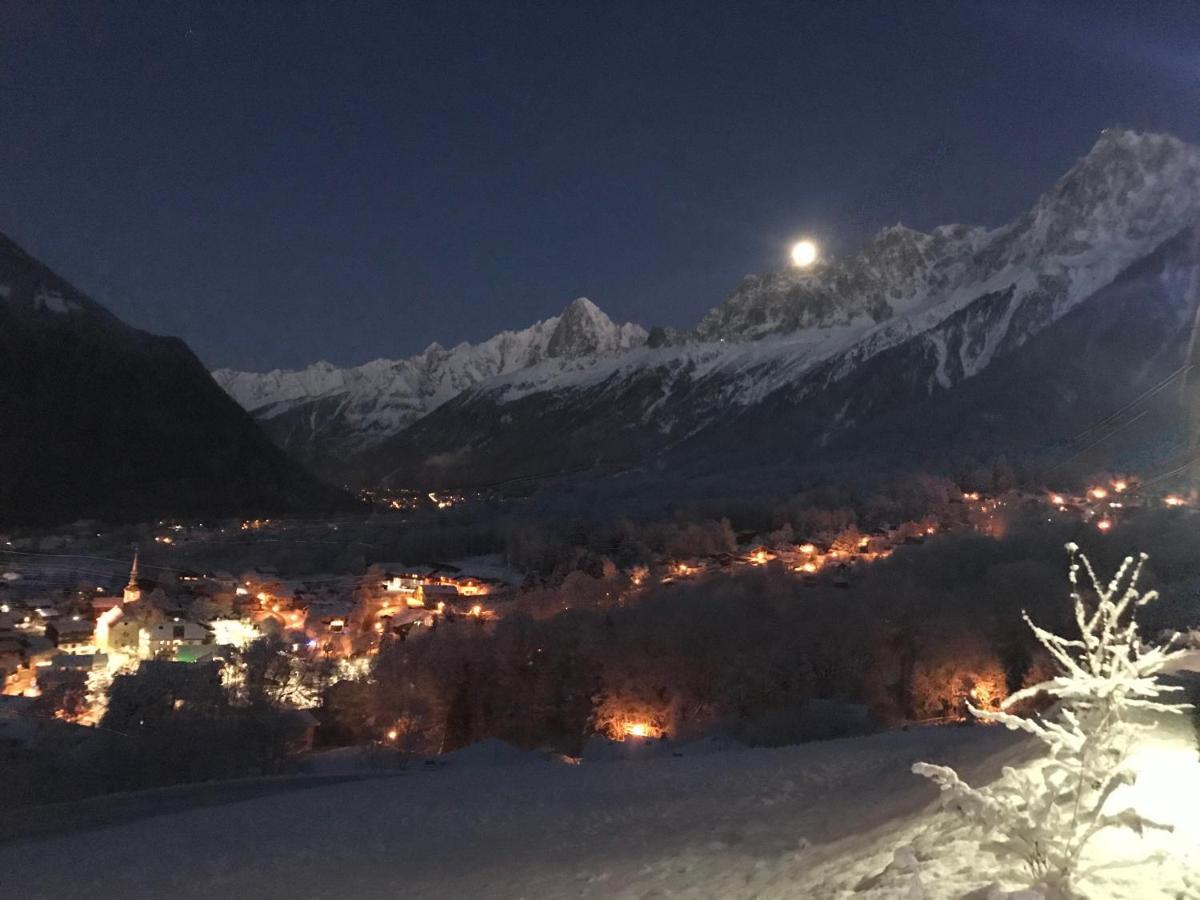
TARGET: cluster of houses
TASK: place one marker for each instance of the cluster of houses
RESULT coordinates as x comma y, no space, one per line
196,616
199,616
832,558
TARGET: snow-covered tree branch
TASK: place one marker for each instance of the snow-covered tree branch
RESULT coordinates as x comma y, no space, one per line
1043,815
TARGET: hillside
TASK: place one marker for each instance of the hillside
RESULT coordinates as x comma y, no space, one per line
823,820
101,420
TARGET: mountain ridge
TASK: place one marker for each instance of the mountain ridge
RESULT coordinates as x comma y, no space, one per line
354,407
961,295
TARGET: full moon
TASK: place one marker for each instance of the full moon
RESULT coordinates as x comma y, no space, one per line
804,254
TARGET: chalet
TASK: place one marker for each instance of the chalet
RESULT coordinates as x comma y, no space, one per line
438,592
328,617
62,663
401,583
167,637
72,635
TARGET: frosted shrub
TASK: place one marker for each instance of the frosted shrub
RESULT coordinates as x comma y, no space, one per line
1043,816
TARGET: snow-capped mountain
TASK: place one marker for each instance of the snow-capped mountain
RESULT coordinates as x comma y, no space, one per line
898,270
805,358
337,412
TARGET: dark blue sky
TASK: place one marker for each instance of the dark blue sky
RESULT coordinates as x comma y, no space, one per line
280,183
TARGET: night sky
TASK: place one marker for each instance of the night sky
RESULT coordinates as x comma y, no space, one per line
281,183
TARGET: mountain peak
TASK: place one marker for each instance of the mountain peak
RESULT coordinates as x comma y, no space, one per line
1123,168
583,305
584,329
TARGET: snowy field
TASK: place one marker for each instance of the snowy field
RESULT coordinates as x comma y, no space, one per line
813,821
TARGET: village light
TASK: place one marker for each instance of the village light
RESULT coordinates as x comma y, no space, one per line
393,734
807,548
1058,500
1104,524
1098,493
1119,485
1173,500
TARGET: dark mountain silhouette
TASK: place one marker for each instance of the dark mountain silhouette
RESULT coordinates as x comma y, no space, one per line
101,420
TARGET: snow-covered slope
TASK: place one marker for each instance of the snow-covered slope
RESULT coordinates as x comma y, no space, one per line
956,299
1119,208
359,406
898,270
1117,205
835,819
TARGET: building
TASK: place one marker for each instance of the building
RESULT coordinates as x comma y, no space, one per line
110,613
434,593
72,635
133,590
165,639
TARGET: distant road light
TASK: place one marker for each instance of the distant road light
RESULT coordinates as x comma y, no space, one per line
804,254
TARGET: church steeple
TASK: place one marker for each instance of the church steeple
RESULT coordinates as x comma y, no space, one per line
133,591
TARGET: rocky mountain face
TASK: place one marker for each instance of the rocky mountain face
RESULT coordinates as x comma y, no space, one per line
797,363
101,420
898,270
324,414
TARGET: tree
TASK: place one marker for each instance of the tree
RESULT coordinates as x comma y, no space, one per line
459,731
1044,815
65,696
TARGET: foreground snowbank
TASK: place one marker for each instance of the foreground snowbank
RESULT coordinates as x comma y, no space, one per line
813,821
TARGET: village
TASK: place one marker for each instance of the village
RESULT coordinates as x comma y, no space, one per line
55,632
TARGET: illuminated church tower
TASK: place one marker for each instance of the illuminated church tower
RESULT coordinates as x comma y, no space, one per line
133,592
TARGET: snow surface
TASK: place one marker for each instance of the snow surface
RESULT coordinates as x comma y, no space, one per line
53,301
841,818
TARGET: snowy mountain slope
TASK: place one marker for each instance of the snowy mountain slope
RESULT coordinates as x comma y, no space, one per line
1129,200
1119,204
819,821
957,299
896,271
345,410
